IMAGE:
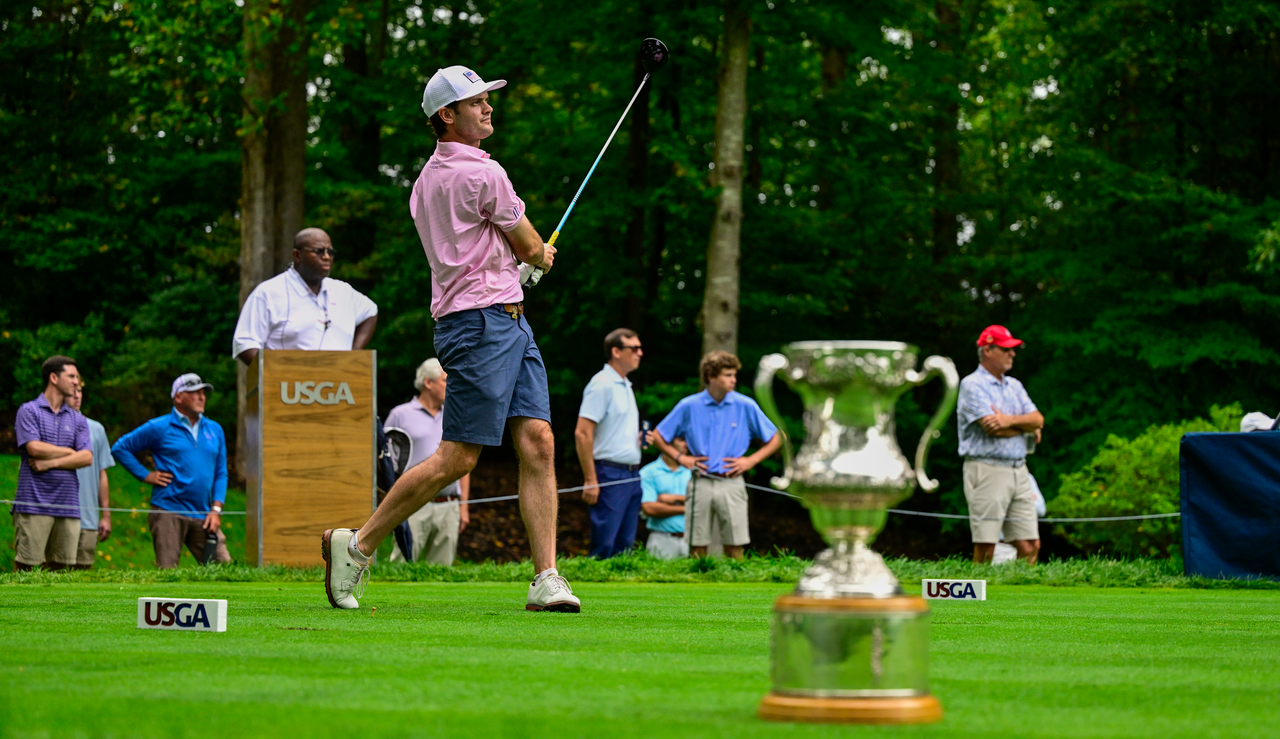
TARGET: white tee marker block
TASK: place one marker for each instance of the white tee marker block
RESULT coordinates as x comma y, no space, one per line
954,589
182,614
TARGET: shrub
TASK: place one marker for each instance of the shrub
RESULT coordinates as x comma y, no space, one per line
1131,477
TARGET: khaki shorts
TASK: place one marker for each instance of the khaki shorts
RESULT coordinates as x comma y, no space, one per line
434,527
719,502
1000,498
40,539
88,548
169,531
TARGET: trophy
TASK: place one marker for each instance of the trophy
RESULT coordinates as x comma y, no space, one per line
848,645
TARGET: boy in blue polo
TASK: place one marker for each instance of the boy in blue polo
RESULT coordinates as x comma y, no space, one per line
718,424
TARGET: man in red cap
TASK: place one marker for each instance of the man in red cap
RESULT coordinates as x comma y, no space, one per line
994,412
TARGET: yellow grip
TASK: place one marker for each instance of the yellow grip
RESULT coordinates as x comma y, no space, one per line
554,235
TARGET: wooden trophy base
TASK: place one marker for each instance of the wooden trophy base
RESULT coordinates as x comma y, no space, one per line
924,709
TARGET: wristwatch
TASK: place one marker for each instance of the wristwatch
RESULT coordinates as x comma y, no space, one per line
217,508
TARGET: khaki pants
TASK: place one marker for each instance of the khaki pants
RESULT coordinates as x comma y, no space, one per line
88,548
1000,498
718,503
169,531
434,527
40,539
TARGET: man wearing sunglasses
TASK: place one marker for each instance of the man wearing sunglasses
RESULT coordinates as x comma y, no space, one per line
608,443
304,308
994,413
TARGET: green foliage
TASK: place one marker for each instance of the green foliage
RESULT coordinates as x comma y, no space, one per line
1096,176
1132,477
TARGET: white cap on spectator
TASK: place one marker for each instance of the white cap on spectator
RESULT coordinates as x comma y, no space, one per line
451,84
188,383
1256,421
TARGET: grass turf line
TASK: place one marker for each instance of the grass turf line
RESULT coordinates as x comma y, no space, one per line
643,660
639,567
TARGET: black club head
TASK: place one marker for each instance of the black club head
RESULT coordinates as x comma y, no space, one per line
653,54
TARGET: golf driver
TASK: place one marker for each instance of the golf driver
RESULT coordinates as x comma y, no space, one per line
654,56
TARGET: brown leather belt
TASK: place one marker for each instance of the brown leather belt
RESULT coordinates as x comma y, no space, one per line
515,310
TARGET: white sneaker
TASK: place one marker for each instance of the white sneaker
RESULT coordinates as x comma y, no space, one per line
344,577
552,594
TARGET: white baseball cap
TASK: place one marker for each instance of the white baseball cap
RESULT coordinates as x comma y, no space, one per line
1256,421
452,84
187,383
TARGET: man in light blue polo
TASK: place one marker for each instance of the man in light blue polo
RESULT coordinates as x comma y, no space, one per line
664,483
95,491
719,425
189,484
608,442
994,413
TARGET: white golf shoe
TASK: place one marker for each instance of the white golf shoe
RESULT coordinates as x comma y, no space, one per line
344,577
552,594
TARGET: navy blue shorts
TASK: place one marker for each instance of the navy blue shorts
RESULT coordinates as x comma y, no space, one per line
495,373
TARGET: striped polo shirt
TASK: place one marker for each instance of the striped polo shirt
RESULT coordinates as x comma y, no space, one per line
55,492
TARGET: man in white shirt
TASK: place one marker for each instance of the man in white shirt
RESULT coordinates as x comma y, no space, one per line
436,525
608,443
303,308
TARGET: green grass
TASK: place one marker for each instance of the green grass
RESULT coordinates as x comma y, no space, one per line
129,547
643,660
639,567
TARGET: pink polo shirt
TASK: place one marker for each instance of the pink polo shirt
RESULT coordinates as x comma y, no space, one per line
459,203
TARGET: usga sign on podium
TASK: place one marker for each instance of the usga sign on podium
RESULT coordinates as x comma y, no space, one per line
954,589
182,614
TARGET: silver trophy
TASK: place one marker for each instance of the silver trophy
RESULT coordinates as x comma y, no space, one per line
847,644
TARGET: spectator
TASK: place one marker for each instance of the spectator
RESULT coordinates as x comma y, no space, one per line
994,412
189,483
435,527
53,440
718,424
608,442
303,308
95,519
664,483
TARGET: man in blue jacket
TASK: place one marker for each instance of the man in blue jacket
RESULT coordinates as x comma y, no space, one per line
189,483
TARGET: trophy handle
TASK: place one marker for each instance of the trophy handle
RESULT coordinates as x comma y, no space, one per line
769,366
932,367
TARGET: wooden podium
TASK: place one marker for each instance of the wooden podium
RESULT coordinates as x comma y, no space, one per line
311,461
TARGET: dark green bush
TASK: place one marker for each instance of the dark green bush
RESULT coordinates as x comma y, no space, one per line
1132,477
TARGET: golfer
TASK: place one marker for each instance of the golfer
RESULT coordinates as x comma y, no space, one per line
475,234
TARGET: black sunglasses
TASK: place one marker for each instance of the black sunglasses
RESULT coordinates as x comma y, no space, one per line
637,348
319,250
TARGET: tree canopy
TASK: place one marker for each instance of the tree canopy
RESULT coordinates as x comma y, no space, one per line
1102,178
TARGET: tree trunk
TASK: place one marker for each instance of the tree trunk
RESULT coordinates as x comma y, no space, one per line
638,168
272,152
720,303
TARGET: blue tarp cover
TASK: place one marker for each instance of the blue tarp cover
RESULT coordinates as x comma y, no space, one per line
1231,504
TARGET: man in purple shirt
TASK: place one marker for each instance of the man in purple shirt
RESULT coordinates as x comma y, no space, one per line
53,439
435,527
475,234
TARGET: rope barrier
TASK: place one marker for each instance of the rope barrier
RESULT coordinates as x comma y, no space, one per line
562,491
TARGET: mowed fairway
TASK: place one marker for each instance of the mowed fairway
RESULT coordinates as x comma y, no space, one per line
645,661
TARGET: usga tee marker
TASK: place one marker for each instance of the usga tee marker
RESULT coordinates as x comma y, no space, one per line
954,589
182,614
